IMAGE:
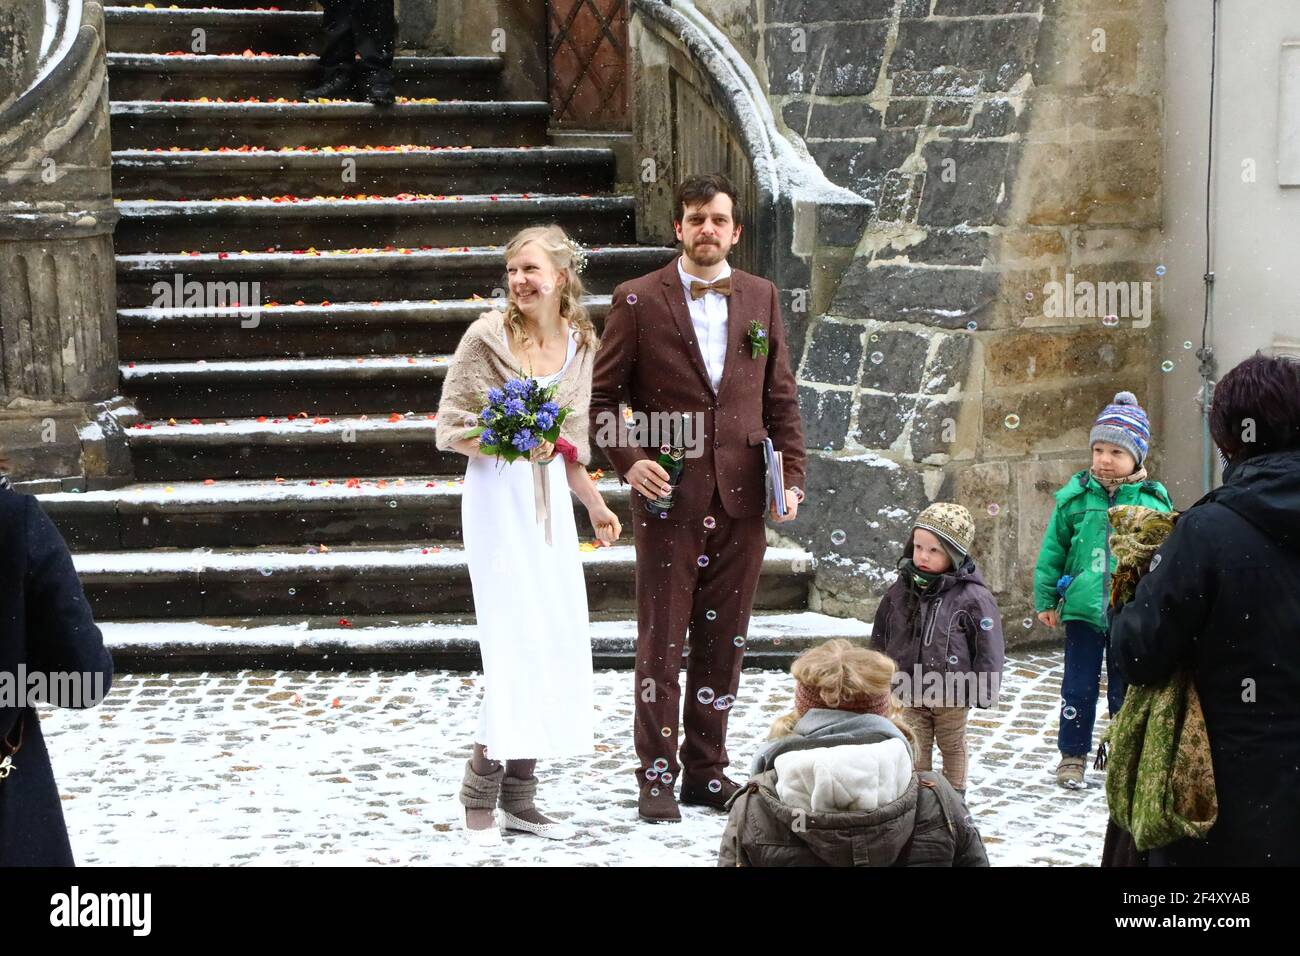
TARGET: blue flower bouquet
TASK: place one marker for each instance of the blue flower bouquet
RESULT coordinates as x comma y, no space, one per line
517,418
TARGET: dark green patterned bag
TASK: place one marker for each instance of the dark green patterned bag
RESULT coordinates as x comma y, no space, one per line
1159,776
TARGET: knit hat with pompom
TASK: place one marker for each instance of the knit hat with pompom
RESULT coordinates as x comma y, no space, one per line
1124,423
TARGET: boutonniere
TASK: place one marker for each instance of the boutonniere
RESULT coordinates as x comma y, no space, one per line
757,340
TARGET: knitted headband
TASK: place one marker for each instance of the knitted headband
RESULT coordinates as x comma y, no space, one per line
806,698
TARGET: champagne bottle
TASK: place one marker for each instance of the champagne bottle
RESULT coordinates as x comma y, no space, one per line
672,459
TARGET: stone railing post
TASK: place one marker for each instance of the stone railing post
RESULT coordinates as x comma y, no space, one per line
58,332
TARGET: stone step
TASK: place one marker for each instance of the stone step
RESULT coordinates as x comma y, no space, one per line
223,4
160,30
380,221
340,328
290,448
368,384
315,444
450,641
299,511
181,175
399,579
145,124
186,76
346,275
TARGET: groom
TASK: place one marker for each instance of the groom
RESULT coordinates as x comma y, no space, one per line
696,337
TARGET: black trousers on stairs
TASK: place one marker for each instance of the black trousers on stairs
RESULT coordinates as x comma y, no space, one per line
365,28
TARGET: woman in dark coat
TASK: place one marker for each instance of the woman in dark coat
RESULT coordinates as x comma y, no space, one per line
1223,599
45,626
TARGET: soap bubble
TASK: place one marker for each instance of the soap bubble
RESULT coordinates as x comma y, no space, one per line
702,560
1167,366
994,508
1029,297
710,615
724,702
631,298
1012,420
715,786
972,326
660,764
1110,321
877,358
986,624
1187,345
710,522
651,774
1068,712
666,731
1160,270
1027,623
952,658
738,640
704,695
838,537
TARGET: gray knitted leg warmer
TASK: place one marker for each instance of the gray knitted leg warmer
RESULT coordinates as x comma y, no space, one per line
480,792
517,795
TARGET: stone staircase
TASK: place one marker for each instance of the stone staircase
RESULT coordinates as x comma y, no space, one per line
291,506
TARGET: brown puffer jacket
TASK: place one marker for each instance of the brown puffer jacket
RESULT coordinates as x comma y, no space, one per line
927,826
949,638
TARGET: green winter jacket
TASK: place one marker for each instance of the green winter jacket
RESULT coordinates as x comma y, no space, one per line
1077,543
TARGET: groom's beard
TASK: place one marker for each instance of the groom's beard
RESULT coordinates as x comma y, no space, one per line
706,255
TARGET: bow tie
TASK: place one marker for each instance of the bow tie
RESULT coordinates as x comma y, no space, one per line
721,286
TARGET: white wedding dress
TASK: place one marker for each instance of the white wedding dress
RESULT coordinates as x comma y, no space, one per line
530,600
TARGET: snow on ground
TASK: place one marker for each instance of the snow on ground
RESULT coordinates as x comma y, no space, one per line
295,768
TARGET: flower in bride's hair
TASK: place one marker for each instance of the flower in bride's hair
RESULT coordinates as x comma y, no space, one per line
579,256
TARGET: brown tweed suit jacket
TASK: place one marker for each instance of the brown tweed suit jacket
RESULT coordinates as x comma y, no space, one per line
649,361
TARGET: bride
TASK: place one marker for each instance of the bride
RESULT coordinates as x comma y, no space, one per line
521,543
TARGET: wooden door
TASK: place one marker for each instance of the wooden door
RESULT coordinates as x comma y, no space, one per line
587,46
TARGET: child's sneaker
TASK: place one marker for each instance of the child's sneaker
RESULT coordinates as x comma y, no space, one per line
1069,772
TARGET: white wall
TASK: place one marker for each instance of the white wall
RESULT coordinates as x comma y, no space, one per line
1256,238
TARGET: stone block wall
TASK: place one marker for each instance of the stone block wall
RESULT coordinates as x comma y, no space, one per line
1004,145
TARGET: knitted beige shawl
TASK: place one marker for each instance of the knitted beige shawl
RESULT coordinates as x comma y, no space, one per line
482,361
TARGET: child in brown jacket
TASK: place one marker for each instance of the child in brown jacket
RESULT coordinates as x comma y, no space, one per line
941,626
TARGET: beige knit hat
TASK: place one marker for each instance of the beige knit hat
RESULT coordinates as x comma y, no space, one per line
951,523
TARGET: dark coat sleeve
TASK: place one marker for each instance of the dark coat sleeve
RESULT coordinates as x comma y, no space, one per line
781,401
61,632
611,379
987,648
1154,633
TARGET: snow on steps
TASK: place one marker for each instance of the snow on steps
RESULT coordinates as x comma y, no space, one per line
395,643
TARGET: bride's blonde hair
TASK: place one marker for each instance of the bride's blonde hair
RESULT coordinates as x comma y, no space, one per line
839,670
566,258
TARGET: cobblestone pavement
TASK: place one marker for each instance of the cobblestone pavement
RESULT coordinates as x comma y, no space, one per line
301,768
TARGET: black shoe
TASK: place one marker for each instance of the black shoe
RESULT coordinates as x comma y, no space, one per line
700,793
380,91
337,87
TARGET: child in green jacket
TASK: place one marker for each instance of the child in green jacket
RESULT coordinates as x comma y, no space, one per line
1074,567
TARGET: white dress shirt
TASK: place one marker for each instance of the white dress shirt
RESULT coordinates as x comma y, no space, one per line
709,317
